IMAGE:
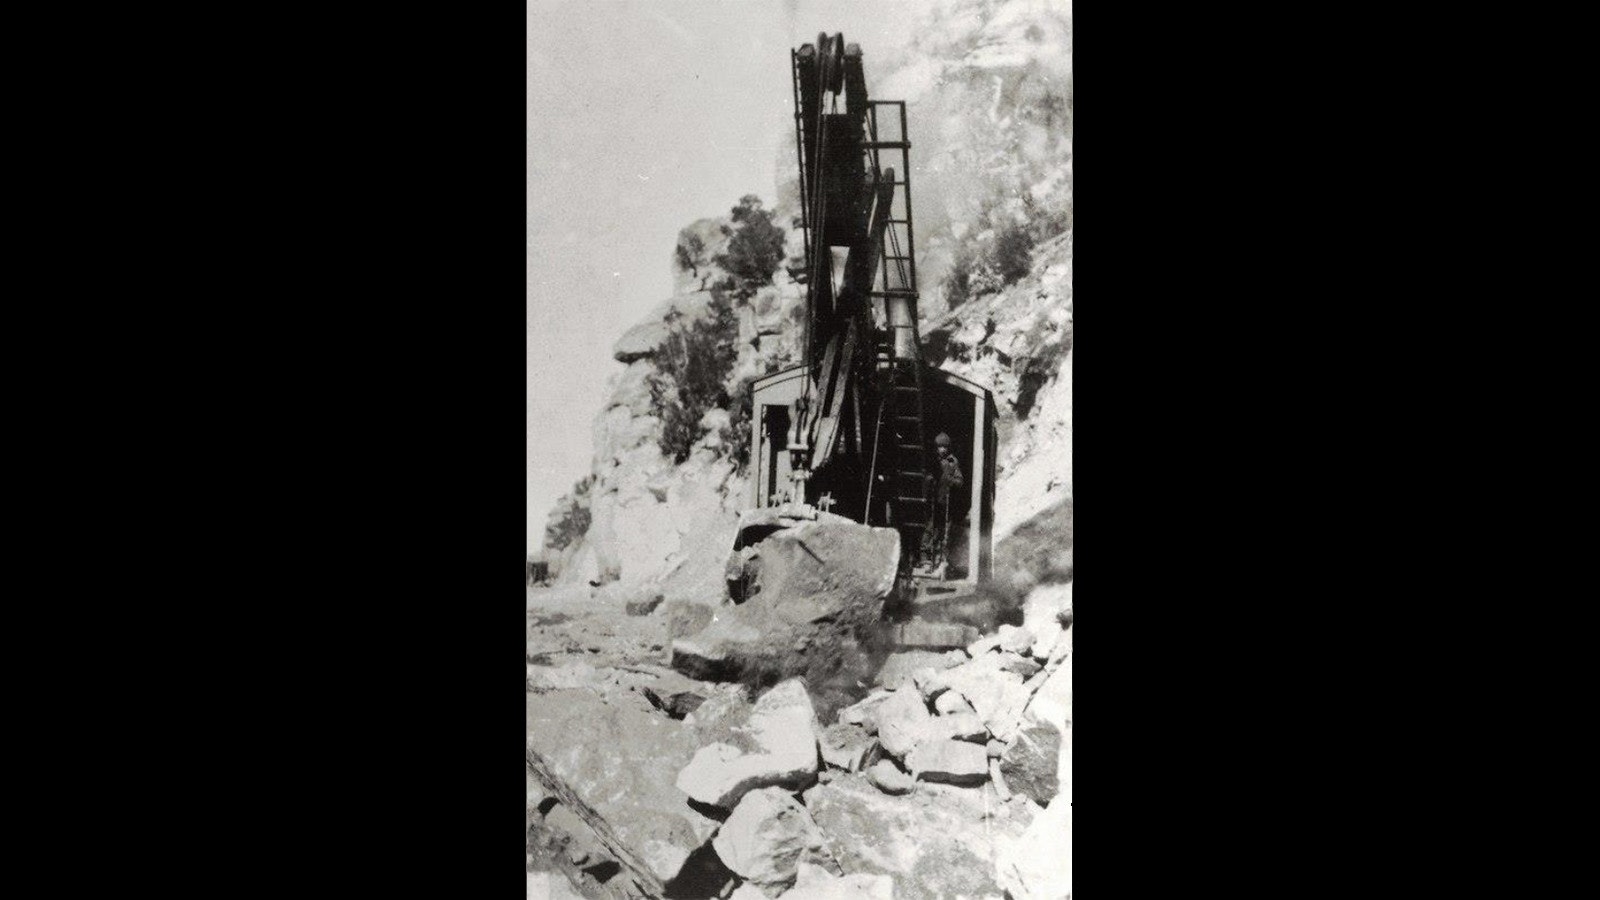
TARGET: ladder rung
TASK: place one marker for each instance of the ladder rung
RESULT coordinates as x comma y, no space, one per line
886,145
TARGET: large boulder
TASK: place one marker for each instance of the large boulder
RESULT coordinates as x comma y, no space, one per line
777,746
766,836
941,841
818,568
1032,761
903,722
1029,762
813,594
617,779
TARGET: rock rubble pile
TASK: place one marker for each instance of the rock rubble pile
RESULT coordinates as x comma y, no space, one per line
952,781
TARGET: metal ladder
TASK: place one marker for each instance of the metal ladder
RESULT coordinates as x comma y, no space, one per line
902,439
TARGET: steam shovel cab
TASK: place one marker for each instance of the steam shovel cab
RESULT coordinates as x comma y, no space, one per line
954,406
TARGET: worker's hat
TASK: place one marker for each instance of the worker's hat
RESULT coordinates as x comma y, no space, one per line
943,440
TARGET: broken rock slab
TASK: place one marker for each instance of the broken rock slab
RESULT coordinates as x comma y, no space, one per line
1033,759
846,746
942,841
1030,761
932,635
574,838
949,762
889,779
814,882
777,746
724,712
961,726
864,713
900,668
949,703
617,779
998,696
713,654
903,722
644,607
686,616
766,836
1014,639
1047,605
1018,664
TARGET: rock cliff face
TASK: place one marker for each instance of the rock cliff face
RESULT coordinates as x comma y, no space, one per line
1018,342
989,92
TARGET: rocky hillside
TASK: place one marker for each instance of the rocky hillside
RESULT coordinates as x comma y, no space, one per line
989,91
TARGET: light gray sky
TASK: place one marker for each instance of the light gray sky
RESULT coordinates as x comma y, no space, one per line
644,115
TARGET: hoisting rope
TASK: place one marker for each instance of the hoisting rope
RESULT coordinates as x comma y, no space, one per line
818,218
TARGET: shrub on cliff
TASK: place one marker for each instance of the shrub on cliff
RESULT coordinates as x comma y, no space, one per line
698,357
1003,253
691,374
755,248
691,253
569,520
